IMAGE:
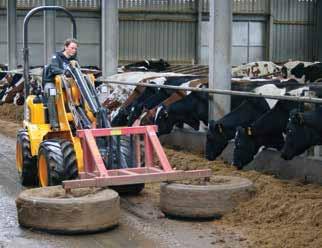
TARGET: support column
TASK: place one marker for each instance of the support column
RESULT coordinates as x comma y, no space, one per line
270,31
12,34
49,32
220,46
109,37
199,24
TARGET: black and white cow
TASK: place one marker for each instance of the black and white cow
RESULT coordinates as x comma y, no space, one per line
190,110
304,130
233,122
147,65
9,91
266,131
303,72
223,130
156,99
121,118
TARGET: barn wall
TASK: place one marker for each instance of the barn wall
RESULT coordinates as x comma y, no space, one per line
294,30
88,34
168,29
319,31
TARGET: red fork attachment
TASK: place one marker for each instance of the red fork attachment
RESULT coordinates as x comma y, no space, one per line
96,175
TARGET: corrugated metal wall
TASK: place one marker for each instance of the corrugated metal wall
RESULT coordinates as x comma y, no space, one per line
245,6
173,41
167,28
295,30
239,6
319,31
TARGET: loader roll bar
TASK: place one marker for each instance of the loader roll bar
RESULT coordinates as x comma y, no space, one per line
25,39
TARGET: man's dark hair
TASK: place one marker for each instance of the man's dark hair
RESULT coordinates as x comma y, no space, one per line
68,41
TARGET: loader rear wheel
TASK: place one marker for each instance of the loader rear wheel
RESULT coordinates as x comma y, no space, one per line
26,164
56,162
84,210
205,201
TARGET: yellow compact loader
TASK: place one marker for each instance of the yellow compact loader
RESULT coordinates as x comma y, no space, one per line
48,155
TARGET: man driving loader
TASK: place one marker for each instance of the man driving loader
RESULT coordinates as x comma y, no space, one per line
58,65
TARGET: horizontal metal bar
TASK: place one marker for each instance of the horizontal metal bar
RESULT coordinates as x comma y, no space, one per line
116,131
301,23
135,179
219,91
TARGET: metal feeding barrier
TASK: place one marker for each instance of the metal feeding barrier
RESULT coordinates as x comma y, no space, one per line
96,175
220,92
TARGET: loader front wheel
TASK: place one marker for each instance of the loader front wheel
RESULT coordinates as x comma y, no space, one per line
26,164
56,162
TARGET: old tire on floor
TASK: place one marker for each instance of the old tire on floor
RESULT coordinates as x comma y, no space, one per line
205,201
84,210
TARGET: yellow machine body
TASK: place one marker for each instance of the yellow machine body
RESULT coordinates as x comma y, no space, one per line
40,130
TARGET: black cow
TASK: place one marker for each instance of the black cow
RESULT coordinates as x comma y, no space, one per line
122,116
190,110
303,131
154,100
3,75
147,65
9,91
223,130
311,73
266,131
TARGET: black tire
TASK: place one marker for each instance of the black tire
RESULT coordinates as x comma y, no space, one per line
60,159
26,164
205,201
131,189
84,210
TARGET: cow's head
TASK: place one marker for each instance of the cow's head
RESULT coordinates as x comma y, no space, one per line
162,120
134,113
248,143
299,136
120,119
216,140
245,147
